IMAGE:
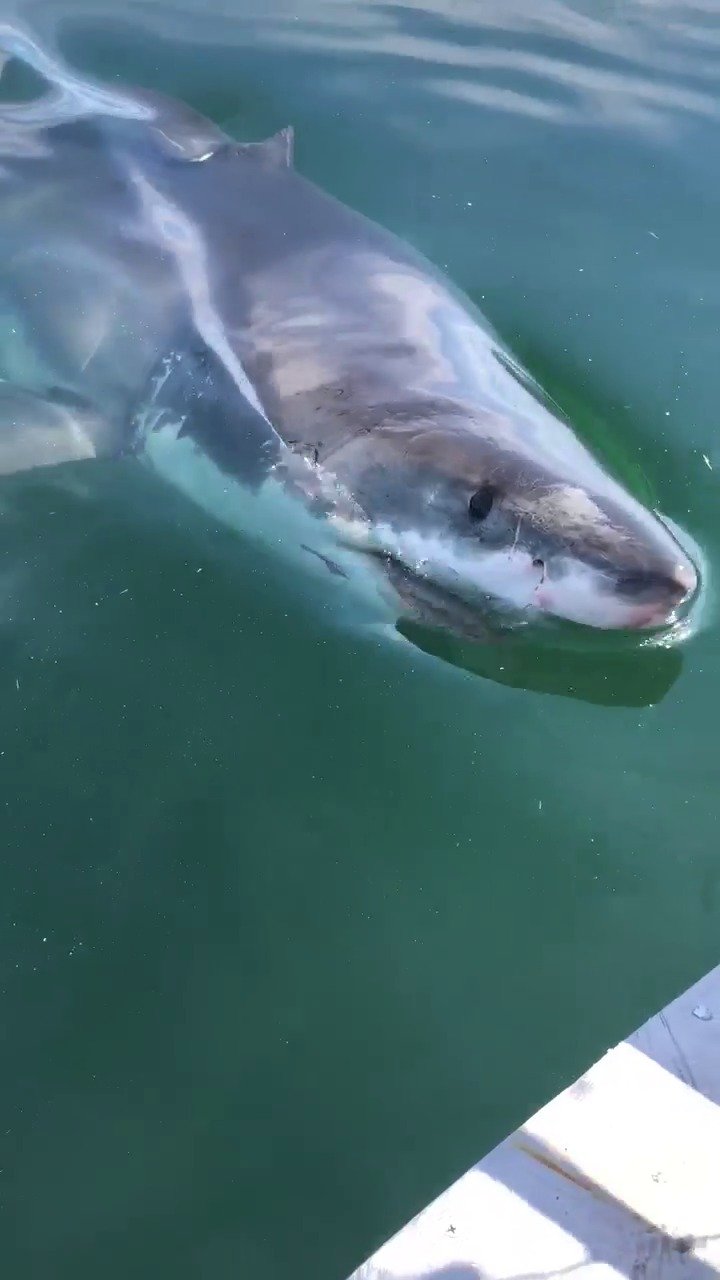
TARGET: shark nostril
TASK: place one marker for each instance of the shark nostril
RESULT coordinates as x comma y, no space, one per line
636,581
679,583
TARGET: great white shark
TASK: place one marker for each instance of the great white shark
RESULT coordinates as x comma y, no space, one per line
167,290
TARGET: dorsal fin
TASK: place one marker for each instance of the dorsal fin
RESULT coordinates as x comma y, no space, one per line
277,152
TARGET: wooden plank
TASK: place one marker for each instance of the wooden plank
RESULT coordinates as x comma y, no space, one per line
617,1176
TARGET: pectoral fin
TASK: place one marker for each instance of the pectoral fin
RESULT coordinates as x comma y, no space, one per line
44,430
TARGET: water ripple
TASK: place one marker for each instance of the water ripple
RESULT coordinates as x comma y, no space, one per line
644,65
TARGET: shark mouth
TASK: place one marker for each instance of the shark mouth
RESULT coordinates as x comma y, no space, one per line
440,607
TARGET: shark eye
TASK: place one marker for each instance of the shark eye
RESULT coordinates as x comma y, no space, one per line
480,504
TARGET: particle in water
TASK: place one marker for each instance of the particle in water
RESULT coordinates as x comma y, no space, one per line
654,235
702,1012
707,462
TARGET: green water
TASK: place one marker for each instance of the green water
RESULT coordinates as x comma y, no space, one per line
297,922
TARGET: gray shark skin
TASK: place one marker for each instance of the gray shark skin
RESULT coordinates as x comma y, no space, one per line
175,283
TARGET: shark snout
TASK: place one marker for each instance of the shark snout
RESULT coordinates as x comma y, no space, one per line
634,595
655,594
686,581
676,583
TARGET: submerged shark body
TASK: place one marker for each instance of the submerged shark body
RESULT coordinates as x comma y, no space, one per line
190,297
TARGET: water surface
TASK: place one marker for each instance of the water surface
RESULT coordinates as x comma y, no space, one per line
297,922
